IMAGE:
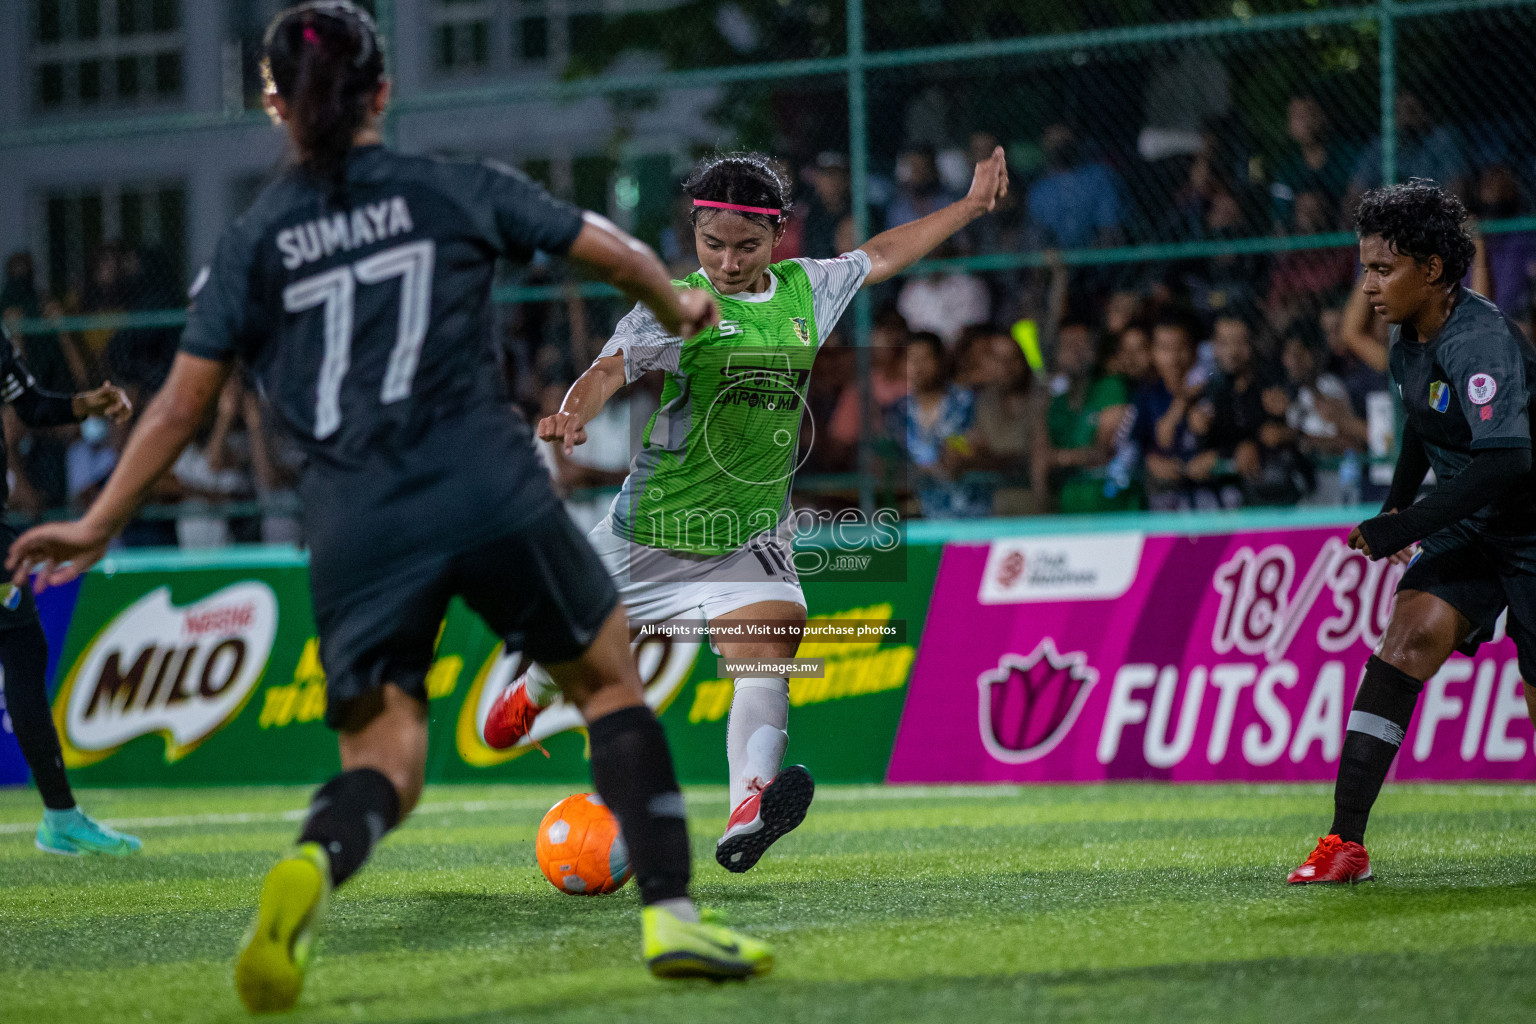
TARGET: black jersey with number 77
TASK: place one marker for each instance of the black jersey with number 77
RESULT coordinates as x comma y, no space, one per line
367,321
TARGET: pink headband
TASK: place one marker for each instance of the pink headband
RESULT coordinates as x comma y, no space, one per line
739,209
311,36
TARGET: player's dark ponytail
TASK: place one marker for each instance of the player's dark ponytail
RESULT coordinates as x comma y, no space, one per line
741,179
326,60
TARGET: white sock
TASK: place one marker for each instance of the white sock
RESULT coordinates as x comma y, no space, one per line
541,688
681,908
755,738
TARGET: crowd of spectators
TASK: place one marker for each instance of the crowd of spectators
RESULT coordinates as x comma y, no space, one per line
1214,380
234,483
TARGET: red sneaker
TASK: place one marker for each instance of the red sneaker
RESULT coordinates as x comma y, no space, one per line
1334,861
764,817
510,717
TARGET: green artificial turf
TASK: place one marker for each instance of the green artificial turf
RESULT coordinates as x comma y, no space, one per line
1134,903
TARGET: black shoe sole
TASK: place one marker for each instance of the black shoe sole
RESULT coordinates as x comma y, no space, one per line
783,808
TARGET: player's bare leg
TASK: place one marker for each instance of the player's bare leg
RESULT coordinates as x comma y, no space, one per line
632,772
766,803
1423,632
383,737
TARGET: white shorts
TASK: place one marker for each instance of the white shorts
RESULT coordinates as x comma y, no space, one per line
659,586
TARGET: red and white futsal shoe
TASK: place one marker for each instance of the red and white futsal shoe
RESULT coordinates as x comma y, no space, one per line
510,717
1334,861
764,817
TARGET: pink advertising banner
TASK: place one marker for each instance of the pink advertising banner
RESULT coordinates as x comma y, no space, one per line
1104,656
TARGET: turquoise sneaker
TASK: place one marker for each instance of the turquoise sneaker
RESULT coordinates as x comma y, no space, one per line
73,832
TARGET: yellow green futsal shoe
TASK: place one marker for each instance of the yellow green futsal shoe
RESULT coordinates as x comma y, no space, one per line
675,948
278,948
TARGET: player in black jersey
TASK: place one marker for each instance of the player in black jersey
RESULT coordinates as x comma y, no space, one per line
357,290
24,650
1465,375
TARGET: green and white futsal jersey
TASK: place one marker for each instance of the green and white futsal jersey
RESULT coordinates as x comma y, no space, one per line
716,461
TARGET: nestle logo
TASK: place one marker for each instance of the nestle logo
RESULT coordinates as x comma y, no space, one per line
1029,703
228,619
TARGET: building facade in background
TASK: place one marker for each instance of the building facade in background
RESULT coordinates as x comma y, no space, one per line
132,130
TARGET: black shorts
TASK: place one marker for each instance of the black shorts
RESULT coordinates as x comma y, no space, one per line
1479,576
540,588
17,608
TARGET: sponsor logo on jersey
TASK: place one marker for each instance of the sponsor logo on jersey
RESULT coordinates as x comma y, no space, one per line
365,225
1020,570
1439,396
728,328
181,672
802,329
1481,388
1027,704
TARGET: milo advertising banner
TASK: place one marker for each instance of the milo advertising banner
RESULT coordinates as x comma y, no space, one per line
171,670
1084,658
842,723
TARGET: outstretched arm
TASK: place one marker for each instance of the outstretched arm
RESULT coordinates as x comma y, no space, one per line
630,266
893,251
585,399
61,551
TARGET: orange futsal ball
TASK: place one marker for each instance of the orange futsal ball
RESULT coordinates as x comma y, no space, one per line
580,849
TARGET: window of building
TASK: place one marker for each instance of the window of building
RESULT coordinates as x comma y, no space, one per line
94,54
461,34
116,247
507,36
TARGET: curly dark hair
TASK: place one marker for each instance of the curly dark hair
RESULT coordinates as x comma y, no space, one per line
1419,219
743,179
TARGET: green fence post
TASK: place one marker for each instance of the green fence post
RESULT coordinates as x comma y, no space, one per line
1387,38
384,17
858,175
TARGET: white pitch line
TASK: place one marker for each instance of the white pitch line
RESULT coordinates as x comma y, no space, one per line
839,794
856,793
269,817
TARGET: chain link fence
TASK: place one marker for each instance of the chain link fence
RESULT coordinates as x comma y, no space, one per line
1171,160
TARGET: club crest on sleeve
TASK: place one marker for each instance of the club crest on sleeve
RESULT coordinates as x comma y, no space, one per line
1481,388
1439,396
802,329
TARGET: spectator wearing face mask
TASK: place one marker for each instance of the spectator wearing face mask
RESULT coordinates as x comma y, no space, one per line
90,460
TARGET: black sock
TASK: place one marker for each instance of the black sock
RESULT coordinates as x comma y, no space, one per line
632,770
24,656
348,815
1376,729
